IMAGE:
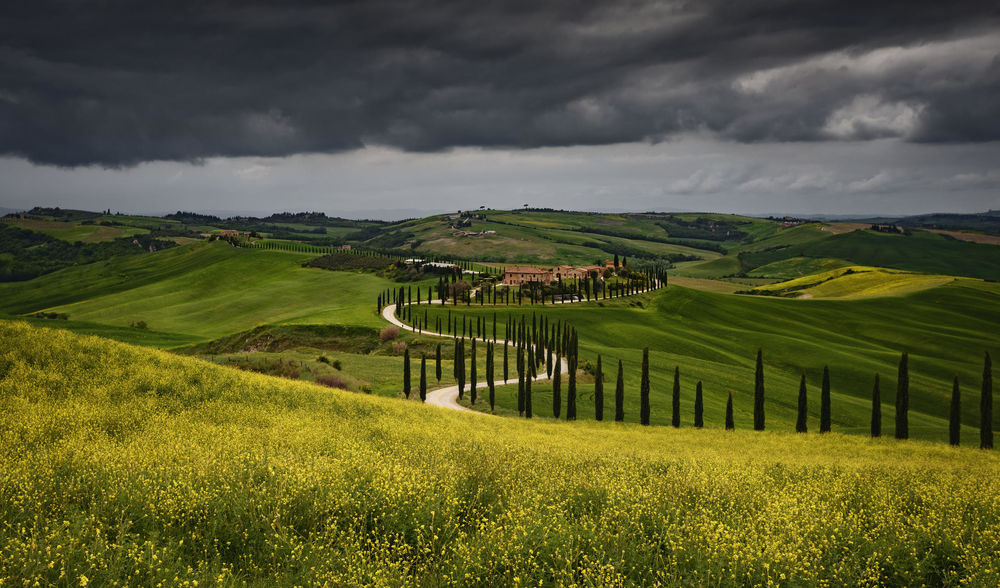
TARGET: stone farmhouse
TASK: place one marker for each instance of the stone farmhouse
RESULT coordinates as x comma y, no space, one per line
516,275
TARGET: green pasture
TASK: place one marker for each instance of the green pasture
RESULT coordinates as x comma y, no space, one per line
713,337
204,290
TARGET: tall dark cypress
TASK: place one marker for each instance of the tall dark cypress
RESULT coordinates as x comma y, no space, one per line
505,364
644,388
986,406
599,392
437,362
406,372
730,423
955,422
461,368
824,403
876,409
903,398
758,394
472,374
800,423
620,394
556,388
490,360
548,359
699,407
423,378
527,397
520,384
571,384
675,416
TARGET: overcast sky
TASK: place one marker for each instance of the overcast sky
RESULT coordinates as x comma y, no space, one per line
405,106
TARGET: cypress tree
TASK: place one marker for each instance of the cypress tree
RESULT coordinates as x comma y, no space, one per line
527,397
520,384
824,403
758,394
955,422
461,368
699,407
548,359
903,398
505,371
675,417
800,423
423,378
876,409
571,387
644,388
556,388
599,391
730,423
437,362
472,374
406,372
986,406
620,394
490,360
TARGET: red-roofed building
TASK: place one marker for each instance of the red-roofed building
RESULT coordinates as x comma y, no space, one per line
515,275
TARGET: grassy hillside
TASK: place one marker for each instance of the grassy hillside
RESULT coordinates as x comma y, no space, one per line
550,237
856,281
921,251
714,337
205,290
132,466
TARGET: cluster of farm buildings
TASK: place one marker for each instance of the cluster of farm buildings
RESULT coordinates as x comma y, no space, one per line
515,275
523,274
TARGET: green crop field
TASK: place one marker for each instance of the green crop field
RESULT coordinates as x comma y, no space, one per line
205,290
713,337
131,466
559,237
74,231
922,251
856,282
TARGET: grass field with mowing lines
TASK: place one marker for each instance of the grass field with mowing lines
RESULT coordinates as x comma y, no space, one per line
857,282
713,337
204,290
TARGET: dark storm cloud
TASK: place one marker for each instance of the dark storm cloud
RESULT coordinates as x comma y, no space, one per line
118,83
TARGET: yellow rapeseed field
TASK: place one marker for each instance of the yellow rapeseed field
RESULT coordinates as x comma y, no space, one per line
126,466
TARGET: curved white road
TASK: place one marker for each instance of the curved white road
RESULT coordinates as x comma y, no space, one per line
448,397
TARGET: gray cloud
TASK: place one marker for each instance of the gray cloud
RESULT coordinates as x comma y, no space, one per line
883,176
117,83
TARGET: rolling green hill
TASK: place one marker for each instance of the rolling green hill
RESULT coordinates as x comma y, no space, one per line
921,251
855,281
553,237
131,466
713,337
205,290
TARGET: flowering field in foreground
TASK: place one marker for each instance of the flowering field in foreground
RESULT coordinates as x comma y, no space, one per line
131,466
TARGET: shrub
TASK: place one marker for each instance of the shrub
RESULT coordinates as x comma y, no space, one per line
388,333
336,365
323,359
399,347
332,382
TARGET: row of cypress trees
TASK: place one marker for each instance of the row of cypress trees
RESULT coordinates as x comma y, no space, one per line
537,343
404,296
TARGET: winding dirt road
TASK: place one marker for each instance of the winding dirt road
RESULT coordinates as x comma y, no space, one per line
448,397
